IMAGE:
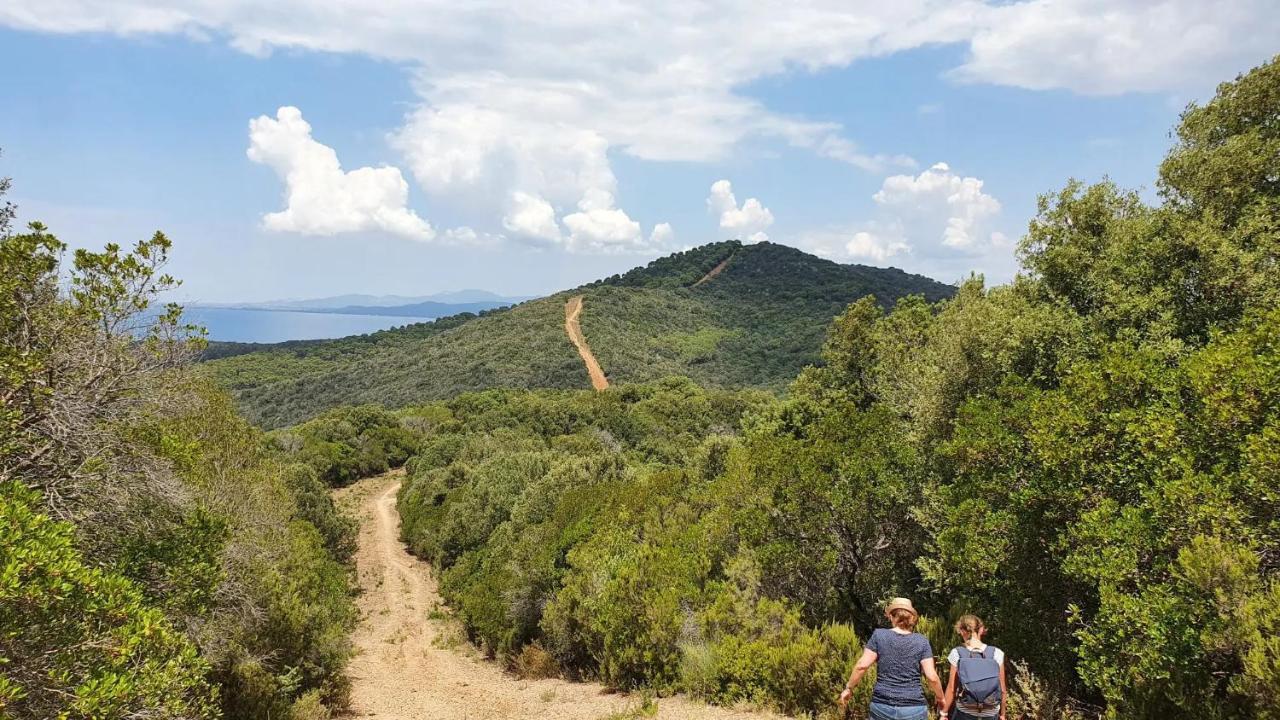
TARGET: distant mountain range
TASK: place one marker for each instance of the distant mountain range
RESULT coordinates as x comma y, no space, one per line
350,302
426,306
725,314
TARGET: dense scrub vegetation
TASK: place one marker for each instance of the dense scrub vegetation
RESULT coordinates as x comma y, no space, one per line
157,559
349,443
592,526
756,325
1087,457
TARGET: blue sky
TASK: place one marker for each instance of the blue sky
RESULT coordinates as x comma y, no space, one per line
526,152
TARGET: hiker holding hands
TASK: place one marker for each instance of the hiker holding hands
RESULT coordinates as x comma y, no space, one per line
977,684
901,656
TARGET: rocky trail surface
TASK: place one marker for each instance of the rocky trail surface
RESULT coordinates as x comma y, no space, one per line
414,664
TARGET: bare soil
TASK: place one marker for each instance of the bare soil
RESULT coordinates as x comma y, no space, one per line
713,272
572,312
413,662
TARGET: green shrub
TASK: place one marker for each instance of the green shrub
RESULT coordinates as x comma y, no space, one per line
757,650
79,642
316,506
349,443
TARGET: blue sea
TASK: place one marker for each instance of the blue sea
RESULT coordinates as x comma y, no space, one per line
268,326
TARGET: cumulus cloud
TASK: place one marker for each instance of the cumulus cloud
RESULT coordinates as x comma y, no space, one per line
662,236
939,193
525,98
747,221
598,226
322,199
938,222
867,246
532,217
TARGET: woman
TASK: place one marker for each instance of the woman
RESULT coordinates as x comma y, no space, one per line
901,656
969,706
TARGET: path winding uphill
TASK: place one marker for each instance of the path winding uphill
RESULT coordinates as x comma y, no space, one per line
572,326
714,272
410,667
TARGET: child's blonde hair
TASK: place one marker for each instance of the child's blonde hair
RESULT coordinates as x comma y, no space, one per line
970,624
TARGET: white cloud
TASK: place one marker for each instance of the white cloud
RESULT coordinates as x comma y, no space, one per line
1104,47
866,246
937,222
535,99
662,236
939,194
599,227
532,217
596,227
321,199
747,221
465,235
603,230
877,242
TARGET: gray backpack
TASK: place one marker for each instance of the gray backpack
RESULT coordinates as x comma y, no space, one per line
979,676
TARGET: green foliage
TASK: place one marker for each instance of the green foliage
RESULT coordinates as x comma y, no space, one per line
315,505
210,588
348,443
79,642
280,629
1087,458
758,650
755,325
678,270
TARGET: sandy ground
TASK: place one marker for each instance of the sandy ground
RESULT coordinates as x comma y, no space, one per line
572,311
411,666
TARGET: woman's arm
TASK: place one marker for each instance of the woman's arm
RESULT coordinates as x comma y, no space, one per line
859,669
951,687
1004,693
931,674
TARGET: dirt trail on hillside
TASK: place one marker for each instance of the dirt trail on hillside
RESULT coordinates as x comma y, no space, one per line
572,311
411,667
714,272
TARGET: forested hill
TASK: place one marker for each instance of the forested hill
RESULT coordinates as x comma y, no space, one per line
754,323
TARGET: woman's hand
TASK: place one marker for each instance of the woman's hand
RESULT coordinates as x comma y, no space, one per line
845,697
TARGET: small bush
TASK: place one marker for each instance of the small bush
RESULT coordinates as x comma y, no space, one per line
535,663
309,707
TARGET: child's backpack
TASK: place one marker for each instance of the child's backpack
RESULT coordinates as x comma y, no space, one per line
979,676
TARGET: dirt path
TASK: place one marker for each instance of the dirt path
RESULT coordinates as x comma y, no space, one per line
714,272
411,667
572,311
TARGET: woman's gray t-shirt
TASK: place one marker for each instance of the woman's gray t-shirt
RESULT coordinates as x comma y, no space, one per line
898,659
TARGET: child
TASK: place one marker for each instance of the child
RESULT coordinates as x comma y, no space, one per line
977,685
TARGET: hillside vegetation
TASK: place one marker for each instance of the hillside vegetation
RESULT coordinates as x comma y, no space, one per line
1088,458
157,558
756,325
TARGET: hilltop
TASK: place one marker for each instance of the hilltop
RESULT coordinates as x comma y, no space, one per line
723,314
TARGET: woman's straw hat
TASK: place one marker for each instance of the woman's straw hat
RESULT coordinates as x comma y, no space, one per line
900,604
